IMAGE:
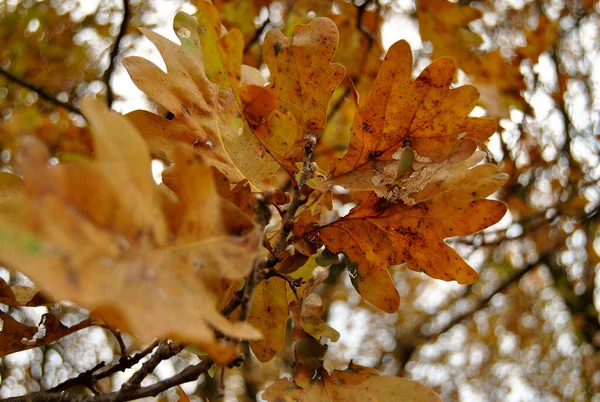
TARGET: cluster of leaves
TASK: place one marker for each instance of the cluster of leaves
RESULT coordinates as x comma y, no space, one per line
241,232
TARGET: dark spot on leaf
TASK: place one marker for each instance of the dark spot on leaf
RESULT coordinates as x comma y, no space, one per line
170,116
277,48
376,154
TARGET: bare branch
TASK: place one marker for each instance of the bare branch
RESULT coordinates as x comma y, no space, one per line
114,53
164,351
188,374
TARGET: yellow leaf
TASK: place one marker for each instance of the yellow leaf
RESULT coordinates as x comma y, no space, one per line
269,314
95,233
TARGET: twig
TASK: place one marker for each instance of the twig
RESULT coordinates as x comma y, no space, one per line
117,334
89,378
298,199
221,384
256,35
294,283
114,53
164,351
189,374
127,362
41,91
86,379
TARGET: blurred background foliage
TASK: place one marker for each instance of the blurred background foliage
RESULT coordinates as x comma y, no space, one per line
527,330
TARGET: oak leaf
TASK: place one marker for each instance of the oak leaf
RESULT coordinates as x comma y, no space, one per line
414,146
302,75
201,89
102,234
16,336
356,383
425,115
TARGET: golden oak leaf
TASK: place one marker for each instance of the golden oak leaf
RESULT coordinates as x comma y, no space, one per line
201,90
424,114
95,232
269,314
302,75
16,336
356,383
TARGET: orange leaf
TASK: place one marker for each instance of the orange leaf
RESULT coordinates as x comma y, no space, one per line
424,114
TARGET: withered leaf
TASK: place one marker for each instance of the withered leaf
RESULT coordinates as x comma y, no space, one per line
378,233
114,250
16,336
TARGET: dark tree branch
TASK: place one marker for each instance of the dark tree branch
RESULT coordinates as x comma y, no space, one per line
165,351
188,374
256,37
127,362
114,53
87,379
298,199
41,91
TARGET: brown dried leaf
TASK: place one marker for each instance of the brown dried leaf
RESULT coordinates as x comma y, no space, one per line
16,336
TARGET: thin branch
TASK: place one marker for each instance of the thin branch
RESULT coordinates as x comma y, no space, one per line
298,199
114,53
256,35
119,338
87,379
189,374
127,362
409,347
164,351
41,91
